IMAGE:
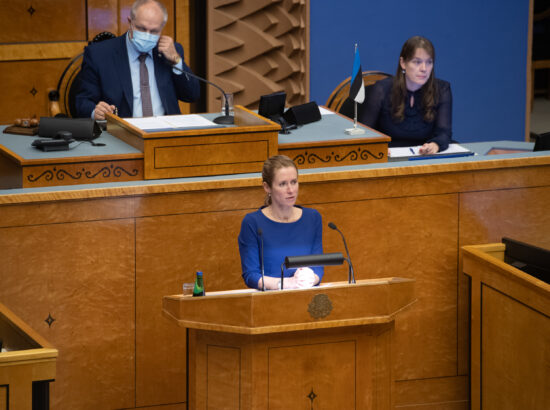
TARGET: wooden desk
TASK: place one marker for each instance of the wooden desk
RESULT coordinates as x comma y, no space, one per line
510,332
27,368
131,154
23,166
325,144
119,248
328,346
201,152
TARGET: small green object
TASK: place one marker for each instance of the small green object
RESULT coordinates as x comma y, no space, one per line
198,290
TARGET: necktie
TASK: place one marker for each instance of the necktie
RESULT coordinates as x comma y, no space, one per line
146,105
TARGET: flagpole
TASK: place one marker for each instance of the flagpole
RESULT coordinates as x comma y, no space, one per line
355,130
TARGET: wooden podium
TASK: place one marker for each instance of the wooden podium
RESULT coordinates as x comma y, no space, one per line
184,153
510,332
27,368
328,347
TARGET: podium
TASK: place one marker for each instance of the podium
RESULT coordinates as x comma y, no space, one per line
326,347
27,368
510,331
181,153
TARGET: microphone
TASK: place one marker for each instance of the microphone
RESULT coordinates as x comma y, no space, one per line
351,274
224,119
323,259
260,234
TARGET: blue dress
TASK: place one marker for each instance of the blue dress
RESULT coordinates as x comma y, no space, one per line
413,130
302,237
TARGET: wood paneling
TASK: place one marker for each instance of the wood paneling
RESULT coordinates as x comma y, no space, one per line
407,221
256,48
28,21
515,338
160,377
510,332
26,86
80,275
343,368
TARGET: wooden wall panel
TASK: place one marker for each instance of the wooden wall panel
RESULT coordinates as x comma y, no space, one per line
427,332
169,250
485,217
502,374
256,48
25,21
27,83
80,276
404,222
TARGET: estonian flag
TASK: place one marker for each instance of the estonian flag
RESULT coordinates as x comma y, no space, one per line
357,88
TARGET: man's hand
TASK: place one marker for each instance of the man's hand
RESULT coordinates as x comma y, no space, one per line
167,48
101,108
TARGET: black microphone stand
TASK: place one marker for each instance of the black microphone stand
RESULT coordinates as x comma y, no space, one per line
261,234
351,274
223,119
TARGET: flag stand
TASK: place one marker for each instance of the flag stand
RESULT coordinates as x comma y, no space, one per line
355,130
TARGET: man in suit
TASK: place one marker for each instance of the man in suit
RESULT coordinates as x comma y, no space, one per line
114,72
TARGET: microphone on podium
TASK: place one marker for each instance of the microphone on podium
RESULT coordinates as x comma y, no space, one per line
261,235
224,119
351,274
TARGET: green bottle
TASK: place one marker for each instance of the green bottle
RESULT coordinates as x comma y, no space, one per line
198,290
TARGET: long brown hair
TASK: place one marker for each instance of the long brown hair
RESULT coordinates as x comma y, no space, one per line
399,89
271,165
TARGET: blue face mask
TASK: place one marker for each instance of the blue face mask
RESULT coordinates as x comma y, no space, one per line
143,41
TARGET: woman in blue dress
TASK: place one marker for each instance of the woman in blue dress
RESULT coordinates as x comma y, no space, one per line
285,229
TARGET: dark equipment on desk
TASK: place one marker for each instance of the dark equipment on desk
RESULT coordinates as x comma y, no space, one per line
82,129
59,143
530,259
272,106
542,142
324,259
303,114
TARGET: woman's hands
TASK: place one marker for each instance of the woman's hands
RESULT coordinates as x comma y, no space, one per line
428,148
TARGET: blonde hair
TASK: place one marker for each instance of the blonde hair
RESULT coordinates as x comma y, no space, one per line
271,165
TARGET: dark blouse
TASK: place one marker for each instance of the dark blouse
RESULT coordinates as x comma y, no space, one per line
413,130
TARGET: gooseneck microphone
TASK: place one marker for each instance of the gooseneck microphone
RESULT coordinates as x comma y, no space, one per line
261,235
351,274
224,119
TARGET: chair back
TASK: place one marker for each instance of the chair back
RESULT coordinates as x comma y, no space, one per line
337,99
63,98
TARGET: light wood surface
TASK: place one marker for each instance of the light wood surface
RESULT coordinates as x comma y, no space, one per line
30,359
328,347
510,332
202,152
252,312
119,250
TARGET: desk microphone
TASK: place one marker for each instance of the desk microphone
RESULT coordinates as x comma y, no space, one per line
351,274
224,119
260,234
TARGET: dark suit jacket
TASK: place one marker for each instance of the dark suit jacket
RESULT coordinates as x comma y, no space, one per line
105,76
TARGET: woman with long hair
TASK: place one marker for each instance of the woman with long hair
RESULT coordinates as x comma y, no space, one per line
413,107
278,229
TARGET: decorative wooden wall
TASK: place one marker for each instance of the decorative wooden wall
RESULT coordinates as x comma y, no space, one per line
99,261
38,38
256,48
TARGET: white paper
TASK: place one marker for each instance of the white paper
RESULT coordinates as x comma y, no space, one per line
171,122
325,111
401,152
